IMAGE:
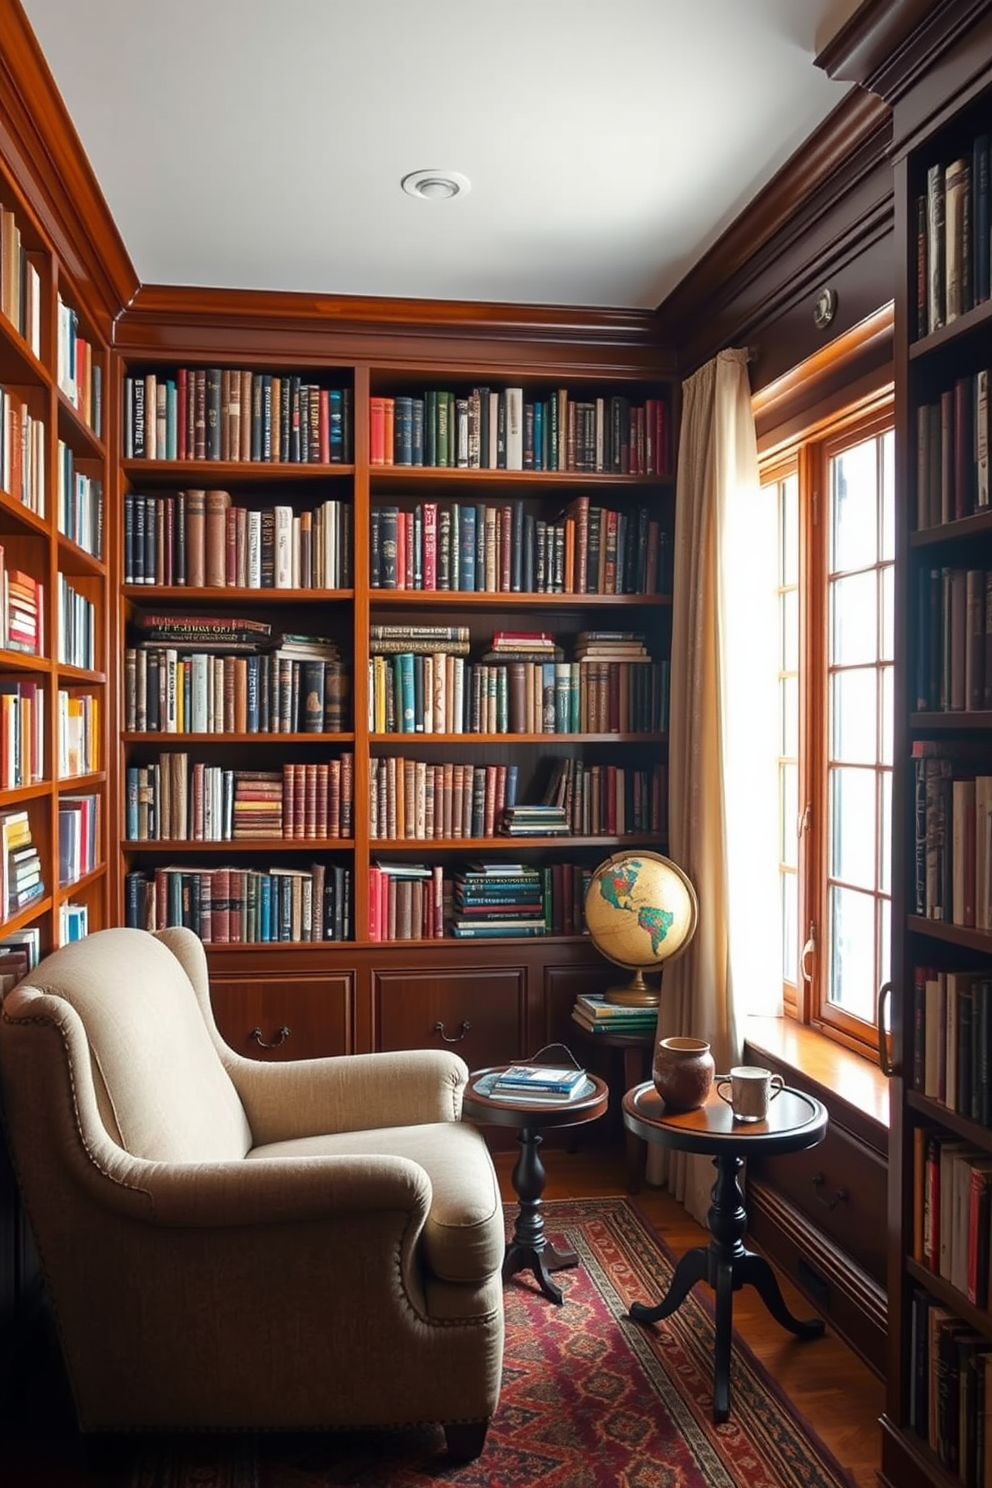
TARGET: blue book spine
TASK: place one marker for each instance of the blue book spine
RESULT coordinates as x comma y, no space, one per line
264,906
335,425
466,549
510,795
539,463
417,431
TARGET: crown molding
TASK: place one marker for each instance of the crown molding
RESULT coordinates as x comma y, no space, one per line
845,151
889,45
200,319
51,171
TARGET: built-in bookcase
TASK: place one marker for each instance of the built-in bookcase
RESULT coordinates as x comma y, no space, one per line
54,705
940,1305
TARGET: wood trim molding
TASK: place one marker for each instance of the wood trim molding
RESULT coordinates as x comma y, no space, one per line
889,46
40,143
571,340
845,150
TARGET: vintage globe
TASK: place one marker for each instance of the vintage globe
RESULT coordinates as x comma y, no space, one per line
641,911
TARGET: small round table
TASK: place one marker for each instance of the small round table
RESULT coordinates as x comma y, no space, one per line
794,1122
530,1249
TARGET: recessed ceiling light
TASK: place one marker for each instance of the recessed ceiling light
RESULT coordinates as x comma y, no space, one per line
436,185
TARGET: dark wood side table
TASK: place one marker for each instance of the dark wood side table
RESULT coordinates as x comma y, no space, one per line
637,1050
795,1121
529,1248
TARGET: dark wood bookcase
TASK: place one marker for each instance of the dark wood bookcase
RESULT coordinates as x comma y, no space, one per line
941,996
492,999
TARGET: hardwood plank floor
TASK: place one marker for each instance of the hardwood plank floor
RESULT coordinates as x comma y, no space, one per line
827,1383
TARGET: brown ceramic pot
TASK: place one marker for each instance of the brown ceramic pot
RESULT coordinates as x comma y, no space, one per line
682,1072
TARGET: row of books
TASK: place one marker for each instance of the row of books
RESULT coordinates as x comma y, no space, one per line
502,429
21,881
22,609
951,1390
200,539
80,374
953,651
484,900
20,282
952,452
233,414
22,733
610,800
23,455
79,837
201,692
412,693
20,952
74,921
171,801
952,237
504,548
75,626
241,906
953,836
594,1013
80,503
952,1039
955,1194
420,800
78,733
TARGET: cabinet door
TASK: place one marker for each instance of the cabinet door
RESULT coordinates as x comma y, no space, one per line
292,1017
476,1011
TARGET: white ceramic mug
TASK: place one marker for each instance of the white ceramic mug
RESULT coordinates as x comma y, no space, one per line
752,1090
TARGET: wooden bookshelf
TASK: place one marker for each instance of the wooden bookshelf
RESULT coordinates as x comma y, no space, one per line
941,997
492,998
54,716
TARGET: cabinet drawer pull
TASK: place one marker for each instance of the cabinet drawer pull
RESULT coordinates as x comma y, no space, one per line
456,1038
840,1197
282,1034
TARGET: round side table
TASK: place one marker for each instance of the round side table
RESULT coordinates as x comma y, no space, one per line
794,1122
529,1248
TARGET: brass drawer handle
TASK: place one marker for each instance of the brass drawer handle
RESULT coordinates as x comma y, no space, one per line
282,1034
840,1197
463,1029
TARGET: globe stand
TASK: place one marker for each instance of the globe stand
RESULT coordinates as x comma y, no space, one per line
636,993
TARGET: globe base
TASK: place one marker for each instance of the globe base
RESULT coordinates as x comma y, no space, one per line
636,993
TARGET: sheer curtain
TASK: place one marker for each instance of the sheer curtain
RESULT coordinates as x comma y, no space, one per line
724,735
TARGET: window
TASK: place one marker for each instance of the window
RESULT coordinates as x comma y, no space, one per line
835,499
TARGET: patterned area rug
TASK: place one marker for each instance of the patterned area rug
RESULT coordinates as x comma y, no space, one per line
589,1399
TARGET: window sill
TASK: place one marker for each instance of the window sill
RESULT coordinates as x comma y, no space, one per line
835,1073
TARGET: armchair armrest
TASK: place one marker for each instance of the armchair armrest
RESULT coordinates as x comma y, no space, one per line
225,1195
351,1092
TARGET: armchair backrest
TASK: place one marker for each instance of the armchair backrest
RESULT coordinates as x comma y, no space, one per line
162,1091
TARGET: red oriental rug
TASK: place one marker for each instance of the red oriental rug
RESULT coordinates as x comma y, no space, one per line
589,1399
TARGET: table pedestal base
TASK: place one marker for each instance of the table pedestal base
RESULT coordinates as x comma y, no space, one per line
529,1250
727,1266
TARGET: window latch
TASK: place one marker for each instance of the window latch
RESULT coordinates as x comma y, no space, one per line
807,951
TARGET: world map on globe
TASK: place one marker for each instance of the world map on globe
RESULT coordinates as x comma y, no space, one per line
640,909
620,887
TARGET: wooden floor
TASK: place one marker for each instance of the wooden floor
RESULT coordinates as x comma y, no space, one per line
830,1387
828,1384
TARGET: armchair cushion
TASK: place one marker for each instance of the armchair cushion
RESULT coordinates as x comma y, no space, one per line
463,1234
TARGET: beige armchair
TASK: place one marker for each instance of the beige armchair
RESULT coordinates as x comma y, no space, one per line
230,1244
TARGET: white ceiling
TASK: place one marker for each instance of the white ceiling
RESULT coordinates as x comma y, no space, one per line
260,143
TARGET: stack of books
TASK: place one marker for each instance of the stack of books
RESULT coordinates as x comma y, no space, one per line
494,900
595,1014
534,821
21,866
539,1083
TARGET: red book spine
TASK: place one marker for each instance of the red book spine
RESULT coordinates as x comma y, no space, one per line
374,899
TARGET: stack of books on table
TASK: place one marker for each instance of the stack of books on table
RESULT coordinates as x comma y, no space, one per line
494,900
539,1083
595,1014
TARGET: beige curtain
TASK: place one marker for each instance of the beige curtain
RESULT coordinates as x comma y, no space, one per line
723,734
